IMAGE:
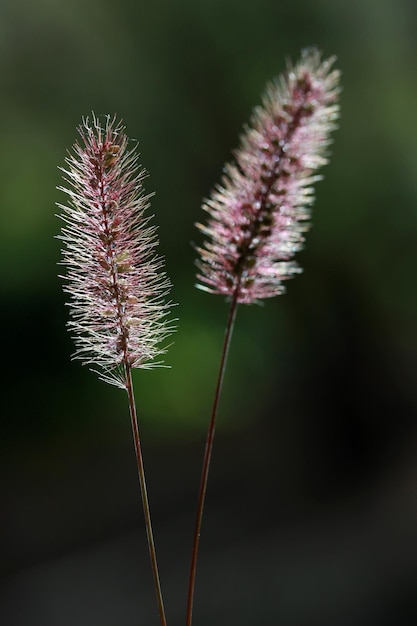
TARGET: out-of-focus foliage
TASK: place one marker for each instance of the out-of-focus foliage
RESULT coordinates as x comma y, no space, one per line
184,76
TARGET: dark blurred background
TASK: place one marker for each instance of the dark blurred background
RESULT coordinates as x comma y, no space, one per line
311,512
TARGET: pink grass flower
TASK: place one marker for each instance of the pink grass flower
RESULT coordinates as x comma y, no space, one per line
257,217
113,275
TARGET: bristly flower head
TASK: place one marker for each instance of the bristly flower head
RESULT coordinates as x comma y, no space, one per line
258,215
114,278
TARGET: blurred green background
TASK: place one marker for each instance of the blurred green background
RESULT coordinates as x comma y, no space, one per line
312,505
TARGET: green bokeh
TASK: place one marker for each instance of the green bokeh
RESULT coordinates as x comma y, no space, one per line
184,77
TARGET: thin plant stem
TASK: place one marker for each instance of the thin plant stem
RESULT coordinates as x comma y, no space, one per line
145,501
207,457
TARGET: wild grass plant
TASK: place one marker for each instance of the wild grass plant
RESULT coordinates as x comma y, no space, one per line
120,315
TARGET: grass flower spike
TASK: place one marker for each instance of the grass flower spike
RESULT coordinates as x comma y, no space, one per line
114,278
258,216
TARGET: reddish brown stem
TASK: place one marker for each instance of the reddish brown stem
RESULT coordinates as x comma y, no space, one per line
207,457
145,502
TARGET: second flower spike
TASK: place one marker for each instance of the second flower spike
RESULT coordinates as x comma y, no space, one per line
258,215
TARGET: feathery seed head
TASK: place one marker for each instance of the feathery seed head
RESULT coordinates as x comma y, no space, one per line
114,277
258,215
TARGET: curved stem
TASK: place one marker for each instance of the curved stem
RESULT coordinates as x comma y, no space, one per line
207,457
145,502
